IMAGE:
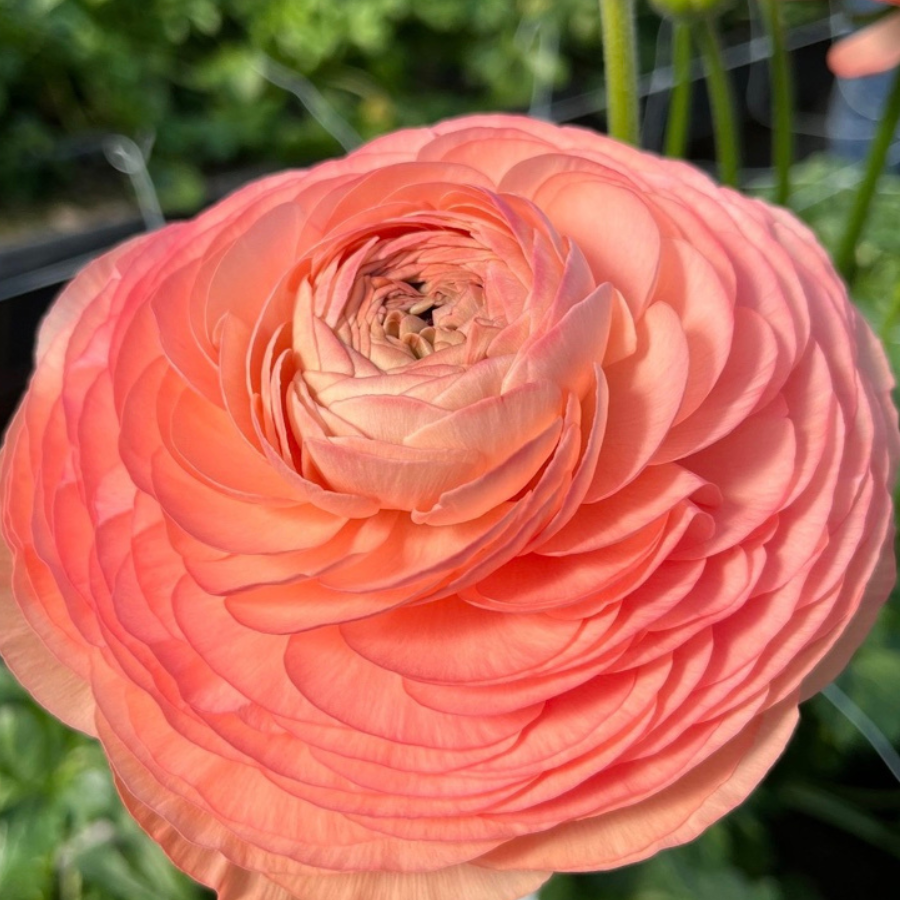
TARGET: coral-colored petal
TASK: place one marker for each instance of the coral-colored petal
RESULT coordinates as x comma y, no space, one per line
672,817
53,684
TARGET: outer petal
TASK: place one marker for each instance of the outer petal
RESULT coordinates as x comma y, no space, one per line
671,817
477,881
53,684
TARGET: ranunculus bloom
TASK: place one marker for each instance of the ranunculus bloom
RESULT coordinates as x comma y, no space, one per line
874,49
477,505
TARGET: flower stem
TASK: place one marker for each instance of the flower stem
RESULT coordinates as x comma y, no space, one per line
721,100
845,256
885,332
782,99
679,123
617,18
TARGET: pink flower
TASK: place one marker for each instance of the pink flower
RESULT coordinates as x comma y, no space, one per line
873,49
478,505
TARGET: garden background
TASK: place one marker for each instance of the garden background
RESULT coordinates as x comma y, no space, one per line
117,113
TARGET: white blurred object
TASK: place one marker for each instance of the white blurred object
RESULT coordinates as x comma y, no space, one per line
311,98
124,155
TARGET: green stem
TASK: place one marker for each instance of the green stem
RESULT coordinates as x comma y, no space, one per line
782,99
617,18
827,808
845,256
679,124
886,331
721,100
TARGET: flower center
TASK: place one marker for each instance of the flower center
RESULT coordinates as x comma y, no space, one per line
410,296
421,318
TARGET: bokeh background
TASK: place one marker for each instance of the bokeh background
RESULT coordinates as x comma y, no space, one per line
118,114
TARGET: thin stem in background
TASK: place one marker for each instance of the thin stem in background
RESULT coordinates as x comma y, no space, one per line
817,803
736,56
782,88
124,155
721,100
866,727
886,331
679,122
544,64
311,98
845,255
617,20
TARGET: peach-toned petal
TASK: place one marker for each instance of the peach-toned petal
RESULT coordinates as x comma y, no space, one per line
689,284
752,468
595,525
673,816
233,883
626,255
639,416
53,684
494,644
387,712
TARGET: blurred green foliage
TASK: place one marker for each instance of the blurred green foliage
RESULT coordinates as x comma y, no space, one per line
189,73
64,835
